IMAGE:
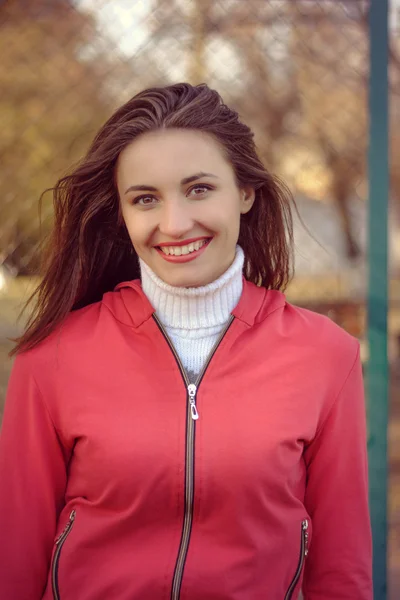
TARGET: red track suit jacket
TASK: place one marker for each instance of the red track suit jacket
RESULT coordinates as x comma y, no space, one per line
110,490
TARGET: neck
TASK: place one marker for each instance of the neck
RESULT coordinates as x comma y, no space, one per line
207,306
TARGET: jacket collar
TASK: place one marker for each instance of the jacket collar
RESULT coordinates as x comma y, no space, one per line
257,303
130,306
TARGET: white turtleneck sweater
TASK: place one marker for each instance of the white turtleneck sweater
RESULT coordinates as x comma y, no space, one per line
194,317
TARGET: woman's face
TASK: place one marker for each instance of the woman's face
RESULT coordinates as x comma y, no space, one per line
181,205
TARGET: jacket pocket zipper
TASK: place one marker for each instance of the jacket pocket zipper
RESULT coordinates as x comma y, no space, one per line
56,559
303,554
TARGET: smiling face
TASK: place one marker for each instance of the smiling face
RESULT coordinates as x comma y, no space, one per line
181,205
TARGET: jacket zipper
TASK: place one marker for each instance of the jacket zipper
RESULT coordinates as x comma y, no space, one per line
59,544
192,416
303,554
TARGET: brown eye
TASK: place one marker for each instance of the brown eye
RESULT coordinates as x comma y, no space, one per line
199,190
144,200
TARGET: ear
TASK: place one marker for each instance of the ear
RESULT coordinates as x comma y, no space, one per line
247,197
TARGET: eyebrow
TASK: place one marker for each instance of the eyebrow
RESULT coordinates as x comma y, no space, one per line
184,181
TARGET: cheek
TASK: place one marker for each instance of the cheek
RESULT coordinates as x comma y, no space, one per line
229,219
135,230
223,214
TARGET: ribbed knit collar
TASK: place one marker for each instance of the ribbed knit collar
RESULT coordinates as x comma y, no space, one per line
198,307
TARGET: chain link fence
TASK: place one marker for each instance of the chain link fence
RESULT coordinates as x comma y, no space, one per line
296,70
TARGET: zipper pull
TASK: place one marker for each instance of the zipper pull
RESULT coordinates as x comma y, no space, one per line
192,389
67,527
305,530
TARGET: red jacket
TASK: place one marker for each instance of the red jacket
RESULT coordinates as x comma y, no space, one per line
111,490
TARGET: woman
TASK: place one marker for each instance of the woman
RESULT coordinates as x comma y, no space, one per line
174,429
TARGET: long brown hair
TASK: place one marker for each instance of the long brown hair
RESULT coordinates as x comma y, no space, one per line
90,252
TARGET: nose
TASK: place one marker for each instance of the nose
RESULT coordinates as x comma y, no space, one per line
175,219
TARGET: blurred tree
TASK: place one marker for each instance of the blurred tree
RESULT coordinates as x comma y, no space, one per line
197,72
298,75
52,101
332,76
295,70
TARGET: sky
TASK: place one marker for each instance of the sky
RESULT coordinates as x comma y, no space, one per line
126,22
119,19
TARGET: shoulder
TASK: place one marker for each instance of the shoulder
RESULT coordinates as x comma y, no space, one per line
298,330
324,345
315,327
77,328
84,332
79,333
313,352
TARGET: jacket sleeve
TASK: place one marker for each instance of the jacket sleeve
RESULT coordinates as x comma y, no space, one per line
339,563
32,487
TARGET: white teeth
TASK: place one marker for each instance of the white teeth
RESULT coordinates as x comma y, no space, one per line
181,250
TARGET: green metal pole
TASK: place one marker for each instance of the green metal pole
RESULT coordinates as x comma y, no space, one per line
377,371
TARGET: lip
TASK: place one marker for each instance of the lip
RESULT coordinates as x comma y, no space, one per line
186,257
184,243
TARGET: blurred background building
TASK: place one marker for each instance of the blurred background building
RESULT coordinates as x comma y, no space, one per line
297,71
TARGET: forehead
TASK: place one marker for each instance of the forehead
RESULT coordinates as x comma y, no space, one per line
174,152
